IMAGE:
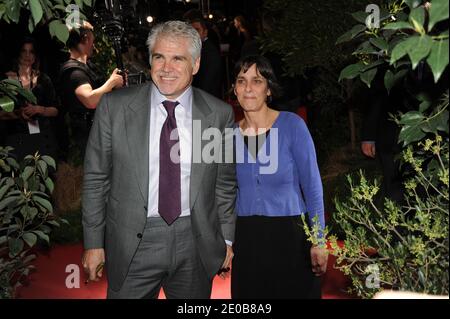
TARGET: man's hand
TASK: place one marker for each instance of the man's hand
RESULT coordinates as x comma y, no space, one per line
116,80
227,263
319,260
93,261
368,149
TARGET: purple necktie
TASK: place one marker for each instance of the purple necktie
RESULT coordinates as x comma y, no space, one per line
169,203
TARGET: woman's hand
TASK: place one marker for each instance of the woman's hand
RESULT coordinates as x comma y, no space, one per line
32,110
319,260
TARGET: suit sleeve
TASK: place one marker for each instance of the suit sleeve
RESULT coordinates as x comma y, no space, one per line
371,117
96,181
226,185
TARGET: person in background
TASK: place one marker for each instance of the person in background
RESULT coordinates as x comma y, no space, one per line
29,128
272,257
209,76
80,87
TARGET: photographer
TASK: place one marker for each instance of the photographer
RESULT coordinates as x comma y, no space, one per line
80,86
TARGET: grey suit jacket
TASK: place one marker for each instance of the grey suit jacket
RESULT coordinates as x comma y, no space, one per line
115,185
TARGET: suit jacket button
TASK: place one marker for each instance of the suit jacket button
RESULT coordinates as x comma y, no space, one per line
145,207
139,235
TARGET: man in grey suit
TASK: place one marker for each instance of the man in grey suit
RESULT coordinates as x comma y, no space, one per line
156,217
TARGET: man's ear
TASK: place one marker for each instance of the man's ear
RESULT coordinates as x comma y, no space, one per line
196,66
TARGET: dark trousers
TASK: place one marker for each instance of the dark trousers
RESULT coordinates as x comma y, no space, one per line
272,260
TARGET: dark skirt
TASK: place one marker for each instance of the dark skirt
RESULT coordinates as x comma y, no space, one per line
272,260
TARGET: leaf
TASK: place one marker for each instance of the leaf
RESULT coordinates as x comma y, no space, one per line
372,65
409,134
438,58
380,43
368,76
42,235
27,172
6,103
30,239
15,246
28,95
351,71
43,202
53,223
30,24
3,190
417,18
438,12
32,212
443,122
391,79
411,118
357,29
2,10
13,10
398,25
42,165
400,50
7,201
50,161
49,184
413,3
424,106
360,16
366,48
79,4
88,2
36,11
419,49
60,30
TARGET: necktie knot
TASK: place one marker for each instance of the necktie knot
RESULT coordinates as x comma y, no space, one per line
170,107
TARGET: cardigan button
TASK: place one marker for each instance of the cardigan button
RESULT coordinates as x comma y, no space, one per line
139,235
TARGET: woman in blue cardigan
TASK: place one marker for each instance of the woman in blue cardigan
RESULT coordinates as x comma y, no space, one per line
278,180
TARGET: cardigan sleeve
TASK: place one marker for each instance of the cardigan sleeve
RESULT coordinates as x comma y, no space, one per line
305,160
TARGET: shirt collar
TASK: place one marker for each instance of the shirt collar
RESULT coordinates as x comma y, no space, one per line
185,99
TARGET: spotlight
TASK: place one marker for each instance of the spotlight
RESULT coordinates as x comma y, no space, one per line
210,16
150,19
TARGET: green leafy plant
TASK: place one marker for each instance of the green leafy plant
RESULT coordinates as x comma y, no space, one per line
402,246
51,12
10,92
26,214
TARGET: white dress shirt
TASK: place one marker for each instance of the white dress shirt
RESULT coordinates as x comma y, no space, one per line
158,115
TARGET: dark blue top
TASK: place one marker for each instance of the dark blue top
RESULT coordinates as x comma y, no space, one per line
284,179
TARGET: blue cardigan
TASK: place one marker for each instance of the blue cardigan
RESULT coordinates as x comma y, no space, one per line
283,181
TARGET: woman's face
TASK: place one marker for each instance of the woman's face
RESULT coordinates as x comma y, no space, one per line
252,90
27,55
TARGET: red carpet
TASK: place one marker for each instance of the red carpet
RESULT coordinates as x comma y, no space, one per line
49,279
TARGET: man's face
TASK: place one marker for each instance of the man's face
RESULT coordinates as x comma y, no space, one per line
203,32
171,66
89,43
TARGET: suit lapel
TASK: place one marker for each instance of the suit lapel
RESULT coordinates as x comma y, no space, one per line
137,126
203,115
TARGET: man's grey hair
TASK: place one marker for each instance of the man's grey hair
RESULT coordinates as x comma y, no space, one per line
173,30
